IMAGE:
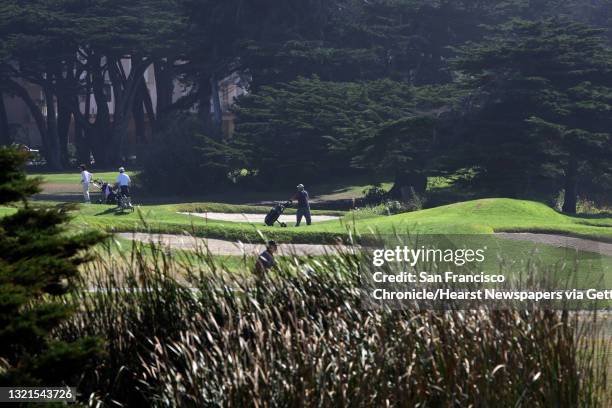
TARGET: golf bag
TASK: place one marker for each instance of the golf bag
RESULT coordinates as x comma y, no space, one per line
275,212
108,194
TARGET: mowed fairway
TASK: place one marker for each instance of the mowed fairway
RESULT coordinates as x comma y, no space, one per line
67,186
474,217
485,216
479,218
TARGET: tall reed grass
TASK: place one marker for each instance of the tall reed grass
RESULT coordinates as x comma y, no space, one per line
182,332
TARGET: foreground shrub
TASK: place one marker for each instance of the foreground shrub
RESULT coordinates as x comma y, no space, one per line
38,263
300,338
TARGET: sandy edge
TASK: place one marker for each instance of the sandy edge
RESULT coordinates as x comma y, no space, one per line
255,218
560,241
223,247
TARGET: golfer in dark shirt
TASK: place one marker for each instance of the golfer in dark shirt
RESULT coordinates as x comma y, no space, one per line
303,206
265,260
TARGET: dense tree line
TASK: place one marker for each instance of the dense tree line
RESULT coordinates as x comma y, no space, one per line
76,48
542,105
522,104
515,91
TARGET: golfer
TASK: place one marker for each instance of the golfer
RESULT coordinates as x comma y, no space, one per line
303,205
123,181
85,180
265,260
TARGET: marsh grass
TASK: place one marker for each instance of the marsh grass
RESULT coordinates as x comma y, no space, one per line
299,337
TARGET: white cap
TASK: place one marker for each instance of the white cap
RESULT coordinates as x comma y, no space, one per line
300,186
121,169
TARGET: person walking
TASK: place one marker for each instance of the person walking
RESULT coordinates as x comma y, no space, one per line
85,181
123,181
303,205
265,260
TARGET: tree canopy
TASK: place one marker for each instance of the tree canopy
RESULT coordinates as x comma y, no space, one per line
516,92
541,103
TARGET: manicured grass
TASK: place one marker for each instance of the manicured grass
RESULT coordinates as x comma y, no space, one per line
4,211
237,209
345,190
166,219
486,216
121,250
69,183
473,217
67,186
478,218
75,177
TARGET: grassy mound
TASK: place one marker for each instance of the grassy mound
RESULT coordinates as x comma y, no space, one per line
471,217
238,209
490,215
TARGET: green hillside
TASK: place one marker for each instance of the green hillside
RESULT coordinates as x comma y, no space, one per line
494,215
472,217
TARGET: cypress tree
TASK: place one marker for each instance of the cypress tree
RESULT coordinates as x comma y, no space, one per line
541,97
39,261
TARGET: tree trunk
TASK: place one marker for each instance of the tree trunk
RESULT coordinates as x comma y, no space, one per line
64,114
139,122
100,135
142,104
148,104
117,151
121,122
204,108
81,143
98,138
163,86
21,92
82,129
216,106
124,89
571,186
52,146
405,182
5,136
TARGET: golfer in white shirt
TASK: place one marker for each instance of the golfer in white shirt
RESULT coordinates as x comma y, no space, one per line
85,180
123,181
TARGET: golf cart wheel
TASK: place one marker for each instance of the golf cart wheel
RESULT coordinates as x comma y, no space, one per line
284,225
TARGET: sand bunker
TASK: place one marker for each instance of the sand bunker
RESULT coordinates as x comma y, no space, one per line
257,218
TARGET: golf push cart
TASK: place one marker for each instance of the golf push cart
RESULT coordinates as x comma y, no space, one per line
275,212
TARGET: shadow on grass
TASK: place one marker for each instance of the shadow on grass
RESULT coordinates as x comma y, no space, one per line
592,216
113,211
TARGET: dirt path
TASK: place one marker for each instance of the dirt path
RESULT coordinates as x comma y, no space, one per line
560,241
257,218
221,247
